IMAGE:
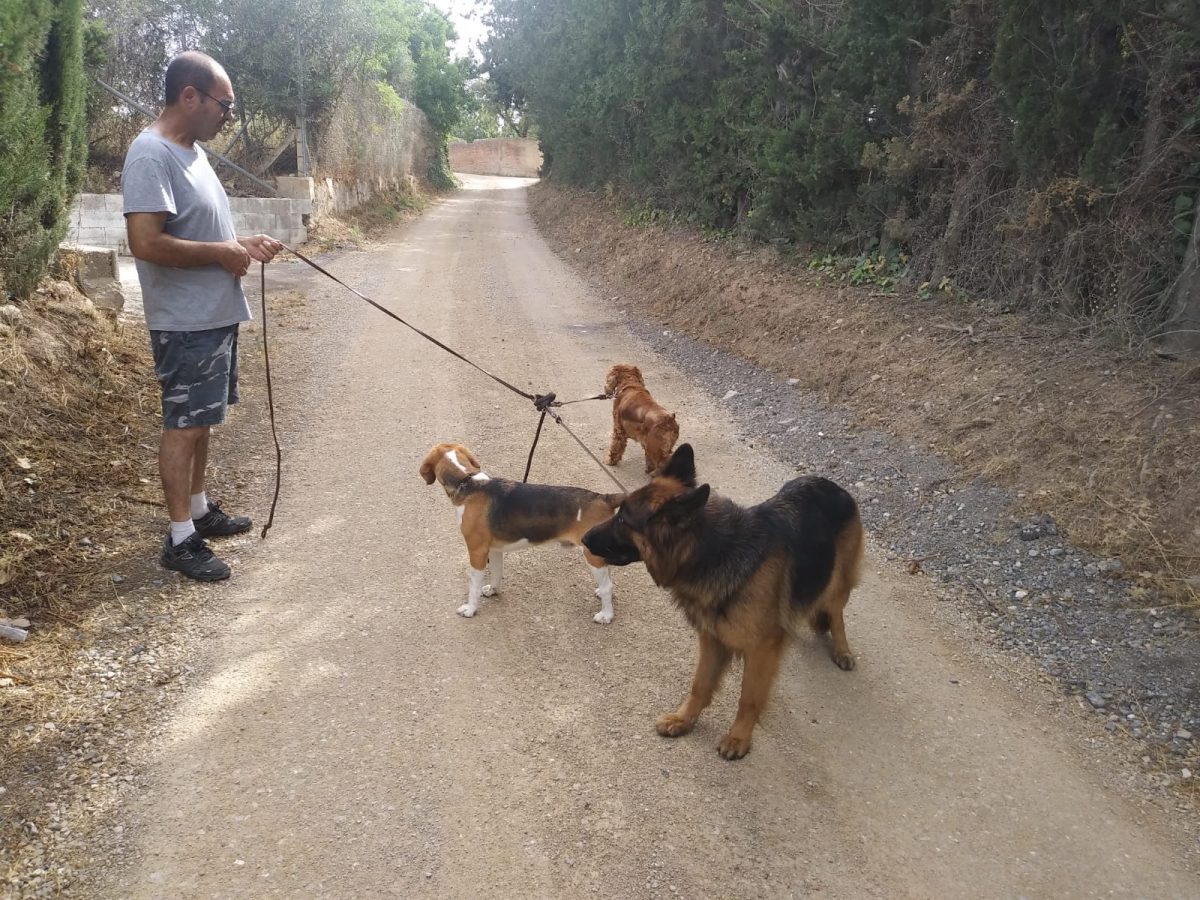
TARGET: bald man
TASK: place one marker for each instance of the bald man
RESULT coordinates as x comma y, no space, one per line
190,264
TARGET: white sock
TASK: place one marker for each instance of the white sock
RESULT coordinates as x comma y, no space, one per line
199,505
181,531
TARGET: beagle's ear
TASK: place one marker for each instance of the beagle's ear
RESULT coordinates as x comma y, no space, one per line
427,472
471,458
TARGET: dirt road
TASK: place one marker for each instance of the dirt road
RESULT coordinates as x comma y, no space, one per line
354,737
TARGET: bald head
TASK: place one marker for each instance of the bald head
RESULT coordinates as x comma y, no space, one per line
193,68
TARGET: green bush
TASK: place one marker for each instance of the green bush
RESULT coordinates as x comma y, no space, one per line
43,146
1036,153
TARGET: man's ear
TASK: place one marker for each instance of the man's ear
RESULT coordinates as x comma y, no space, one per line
682,466
685,506
427,472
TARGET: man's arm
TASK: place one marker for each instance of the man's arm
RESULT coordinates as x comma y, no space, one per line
148,241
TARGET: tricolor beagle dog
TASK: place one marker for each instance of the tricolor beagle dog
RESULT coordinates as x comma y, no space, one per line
496,515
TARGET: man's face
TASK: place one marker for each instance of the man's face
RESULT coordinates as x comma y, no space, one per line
208,112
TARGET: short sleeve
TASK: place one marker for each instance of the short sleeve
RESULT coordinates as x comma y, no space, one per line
145,187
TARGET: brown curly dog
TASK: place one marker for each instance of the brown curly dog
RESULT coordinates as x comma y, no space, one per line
637,415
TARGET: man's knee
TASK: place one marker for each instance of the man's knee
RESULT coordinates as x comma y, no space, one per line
184,437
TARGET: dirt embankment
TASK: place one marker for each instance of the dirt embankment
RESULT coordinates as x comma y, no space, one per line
1107,441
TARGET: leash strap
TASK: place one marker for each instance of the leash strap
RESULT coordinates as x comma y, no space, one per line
557,418
262,273
543,402
427,336
537,434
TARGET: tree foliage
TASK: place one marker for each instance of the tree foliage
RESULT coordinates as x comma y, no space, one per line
1037,153
288,56
42,132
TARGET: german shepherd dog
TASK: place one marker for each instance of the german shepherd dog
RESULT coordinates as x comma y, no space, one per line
745,578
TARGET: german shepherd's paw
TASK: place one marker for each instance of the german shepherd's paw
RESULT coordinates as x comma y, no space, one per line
672,725
844,661
733,747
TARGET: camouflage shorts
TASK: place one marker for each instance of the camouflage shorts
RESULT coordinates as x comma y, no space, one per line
197,371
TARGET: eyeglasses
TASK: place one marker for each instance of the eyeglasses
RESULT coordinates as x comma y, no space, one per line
226,105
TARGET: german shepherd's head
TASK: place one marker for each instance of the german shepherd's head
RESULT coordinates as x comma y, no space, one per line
655,522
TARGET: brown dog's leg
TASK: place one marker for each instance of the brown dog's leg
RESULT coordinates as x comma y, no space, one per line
762,664
653,457
616,449
713,661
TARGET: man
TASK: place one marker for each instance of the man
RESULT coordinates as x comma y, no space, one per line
190,263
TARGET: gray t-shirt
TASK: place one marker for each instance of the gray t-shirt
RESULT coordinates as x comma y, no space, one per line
162,176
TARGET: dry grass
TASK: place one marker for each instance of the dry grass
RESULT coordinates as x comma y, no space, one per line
77,434
1106,441
362,226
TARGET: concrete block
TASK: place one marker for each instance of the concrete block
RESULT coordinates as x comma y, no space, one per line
297,187
92,203
99,276
92,234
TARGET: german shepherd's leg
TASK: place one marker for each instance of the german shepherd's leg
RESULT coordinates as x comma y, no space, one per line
604,588
828,618
479,558
496,570
616,449
762,665
713,661
842,657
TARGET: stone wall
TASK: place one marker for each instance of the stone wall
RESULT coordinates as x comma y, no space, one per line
97,220
515,157
373,144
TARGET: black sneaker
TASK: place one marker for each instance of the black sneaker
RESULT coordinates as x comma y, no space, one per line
193,559
216,523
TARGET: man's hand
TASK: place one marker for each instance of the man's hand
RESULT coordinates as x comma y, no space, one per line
234,258
261,247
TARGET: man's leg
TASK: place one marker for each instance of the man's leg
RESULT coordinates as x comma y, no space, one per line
192,369
178,454
200,462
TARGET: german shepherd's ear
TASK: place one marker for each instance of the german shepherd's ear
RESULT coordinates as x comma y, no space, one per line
684,506
682,466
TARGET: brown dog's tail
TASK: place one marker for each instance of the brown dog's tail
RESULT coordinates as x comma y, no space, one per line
613,500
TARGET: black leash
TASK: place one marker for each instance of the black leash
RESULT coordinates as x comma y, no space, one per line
543,403
262,273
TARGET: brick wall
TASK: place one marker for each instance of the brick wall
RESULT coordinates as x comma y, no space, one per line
516,157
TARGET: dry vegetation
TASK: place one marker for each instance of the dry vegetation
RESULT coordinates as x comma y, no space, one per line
77,449
1107,441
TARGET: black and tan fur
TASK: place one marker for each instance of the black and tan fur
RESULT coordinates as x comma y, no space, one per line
497,515
745,578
